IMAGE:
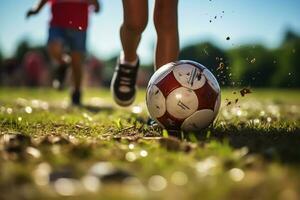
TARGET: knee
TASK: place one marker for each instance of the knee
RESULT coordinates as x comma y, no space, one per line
135,25
164,25
55,49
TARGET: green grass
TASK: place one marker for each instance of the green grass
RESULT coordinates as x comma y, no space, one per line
50,150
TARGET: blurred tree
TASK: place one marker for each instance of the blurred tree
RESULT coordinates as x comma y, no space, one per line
1,58
21,50
248,65
252,65
288,70
210,56
290,36
205,53
1,67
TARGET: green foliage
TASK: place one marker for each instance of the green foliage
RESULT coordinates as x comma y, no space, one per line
1,58
1,67
288,70
205,53
165,133
251,65
22,48
119,124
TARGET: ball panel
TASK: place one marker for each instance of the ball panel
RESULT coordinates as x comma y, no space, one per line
170,122
168,84
182,102
156,102
190,62
211,80
206,97
198,120
161,73
189,76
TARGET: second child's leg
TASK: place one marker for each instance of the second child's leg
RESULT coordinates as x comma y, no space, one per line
76,63
77,43
123,84
55,50
58,58
166,25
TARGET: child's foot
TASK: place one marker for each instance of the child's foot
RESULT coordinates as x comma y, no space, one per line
59,76
76,98
123,84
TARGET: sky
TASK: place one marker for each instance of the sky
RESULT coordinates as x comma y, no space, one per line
244,21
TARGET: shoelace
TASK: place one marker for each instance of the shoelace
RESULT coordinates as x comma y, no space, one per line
127,76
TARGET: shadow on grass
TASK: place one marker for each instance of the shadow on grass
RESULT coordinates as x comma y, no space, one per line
274,144
96,109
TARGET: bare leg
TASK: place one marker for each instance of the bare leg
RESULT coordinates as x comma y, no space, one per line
166,25
60,61
76,63
135,21
123,84
55,51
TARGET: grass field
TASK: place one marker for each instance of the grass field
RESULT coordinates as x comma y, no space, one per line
50,150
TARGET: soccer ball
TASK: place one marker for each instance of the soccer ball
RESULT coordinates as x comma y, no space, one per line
183,95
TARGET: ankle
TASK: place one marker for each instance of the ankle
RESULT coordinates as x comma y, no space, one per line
75,91
130,62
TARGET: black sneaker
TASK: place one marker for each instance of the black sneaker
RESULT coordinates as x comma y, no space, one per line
59,76
76,98
151,122
123,84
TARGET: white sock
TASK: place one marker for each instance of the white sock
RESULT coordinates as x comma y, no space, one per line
66,58
129,63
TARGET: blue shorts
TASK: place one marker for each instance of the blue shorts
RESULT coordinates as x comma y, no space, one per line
72,40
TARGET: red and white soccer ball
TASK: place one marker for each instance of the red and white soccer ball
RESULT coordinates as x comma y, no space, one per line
183,95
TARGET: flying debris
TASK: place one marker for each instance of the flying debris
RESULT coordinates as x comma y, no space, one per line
245,91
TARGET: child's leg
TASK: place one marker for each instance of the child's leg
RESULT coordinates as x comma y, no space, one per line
77,42
123,84
56,42
60,63
55,51
134,23
76,63
166,24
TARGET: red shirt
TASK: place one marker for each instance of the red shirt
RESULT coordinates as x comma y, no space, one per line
69,14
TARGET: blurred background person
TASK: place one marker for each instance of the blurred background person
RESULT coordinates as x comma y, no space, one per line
67,39
34,69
